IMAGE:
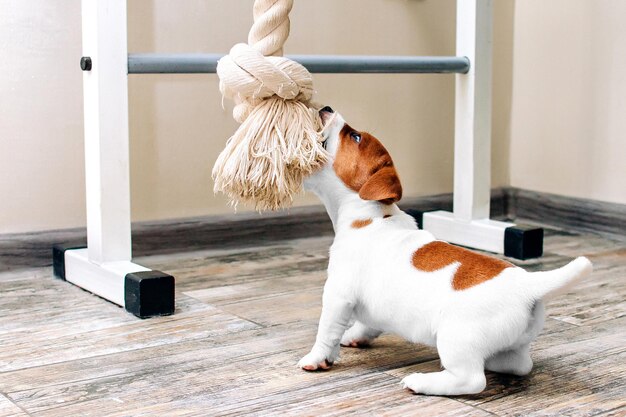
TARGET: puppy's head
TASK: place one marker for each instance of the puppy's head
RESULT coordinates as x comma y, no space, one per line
359,160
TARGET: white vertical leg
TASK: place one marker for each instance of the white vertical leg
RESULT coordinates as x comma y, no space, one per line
470,225
472,139
104,267
106,131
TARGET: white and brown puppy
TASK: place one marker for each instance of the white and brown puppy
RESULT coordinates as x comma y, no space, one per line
385,275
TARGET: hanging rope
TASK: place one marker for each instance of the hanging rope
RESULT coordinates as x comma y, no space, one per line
278,142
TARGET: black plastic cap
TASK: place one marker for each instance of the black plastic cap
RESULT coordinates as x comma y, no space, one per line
85,63
149,293
523,242
58,259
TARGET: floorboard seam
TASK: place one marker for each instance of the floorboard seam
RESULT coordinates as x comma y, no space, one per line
473,406
262,326
609,411
6,396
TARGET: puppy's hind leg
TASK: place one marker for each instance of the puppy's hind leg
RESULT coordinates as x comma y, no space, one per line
464,370
514,362
359,335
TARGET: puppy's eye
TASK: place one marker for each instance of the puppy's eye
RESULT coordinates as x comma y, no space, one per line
356,137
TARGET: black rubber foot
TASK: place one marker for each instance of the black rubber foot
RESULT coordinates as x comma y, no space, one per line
523,242
58,259
149,293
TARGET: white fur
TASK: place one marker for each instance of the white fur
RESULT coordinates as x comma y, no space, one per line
373,287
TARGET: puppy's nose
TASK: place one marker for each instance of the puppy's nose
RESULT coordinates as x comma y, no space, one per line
327,109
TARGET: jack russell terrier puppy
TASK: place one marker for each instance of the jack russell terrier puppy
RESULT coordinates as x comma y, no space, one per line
386,275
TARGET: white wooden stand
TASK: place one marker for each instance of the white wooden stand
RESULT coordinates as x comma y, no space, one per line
470,225
105,266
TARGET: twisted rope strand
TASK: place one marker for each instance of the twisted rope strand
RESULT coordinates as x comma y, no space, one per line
278,142
271,26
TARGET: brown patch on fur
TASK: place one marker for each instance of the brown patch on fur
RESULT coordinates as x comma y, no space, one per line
358,224
474,268
366,167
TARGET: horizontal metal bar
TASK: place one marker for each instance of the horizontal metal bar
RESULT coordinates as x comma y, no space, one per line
321,64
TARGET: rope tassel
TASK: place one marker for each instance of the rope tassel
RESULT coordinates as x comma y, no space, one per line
278,143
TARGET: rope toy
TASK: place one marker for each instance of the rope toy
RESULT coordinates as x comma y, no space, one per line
278,142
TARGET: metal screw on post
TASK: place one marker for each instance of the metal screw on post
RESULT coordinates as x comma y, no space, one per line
85,63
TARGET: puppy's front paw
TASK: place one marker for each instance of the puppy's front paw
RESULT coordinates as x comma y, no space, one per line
314,362
415,382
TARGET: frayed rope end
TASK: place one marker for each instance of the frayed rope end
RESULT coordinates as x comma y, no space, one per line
265,162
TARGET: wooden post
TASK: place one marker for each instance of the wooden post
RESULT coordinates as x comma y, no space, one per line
469,224
472,130
104,267
105,87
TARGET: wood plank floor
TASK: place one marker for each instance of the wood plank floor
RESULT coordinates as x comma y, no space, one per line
246,315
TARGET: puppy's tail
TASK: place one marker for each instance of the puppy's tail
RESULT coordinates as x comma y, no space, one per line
548,284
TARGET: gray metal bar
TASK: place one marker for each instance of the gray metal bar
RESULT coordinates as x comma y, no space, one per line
321,64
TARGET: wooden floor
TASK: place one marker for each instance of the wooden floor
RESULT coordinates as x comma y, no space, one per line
245,316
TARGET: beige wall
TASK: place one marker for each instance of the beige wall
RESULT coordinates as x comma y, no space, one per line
41,151
177,124
568,126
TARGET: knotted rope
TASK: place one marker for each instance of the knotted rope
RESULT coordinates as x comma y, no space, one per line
278,142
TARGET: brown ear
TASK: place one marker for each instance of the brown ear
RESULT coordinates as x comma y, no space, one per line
383,186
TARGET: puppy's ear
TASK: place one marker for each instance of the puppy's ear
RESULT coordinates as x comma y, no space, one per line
383,186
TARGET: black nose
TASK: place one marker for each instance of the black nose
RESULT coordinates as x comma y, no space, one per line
327,109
